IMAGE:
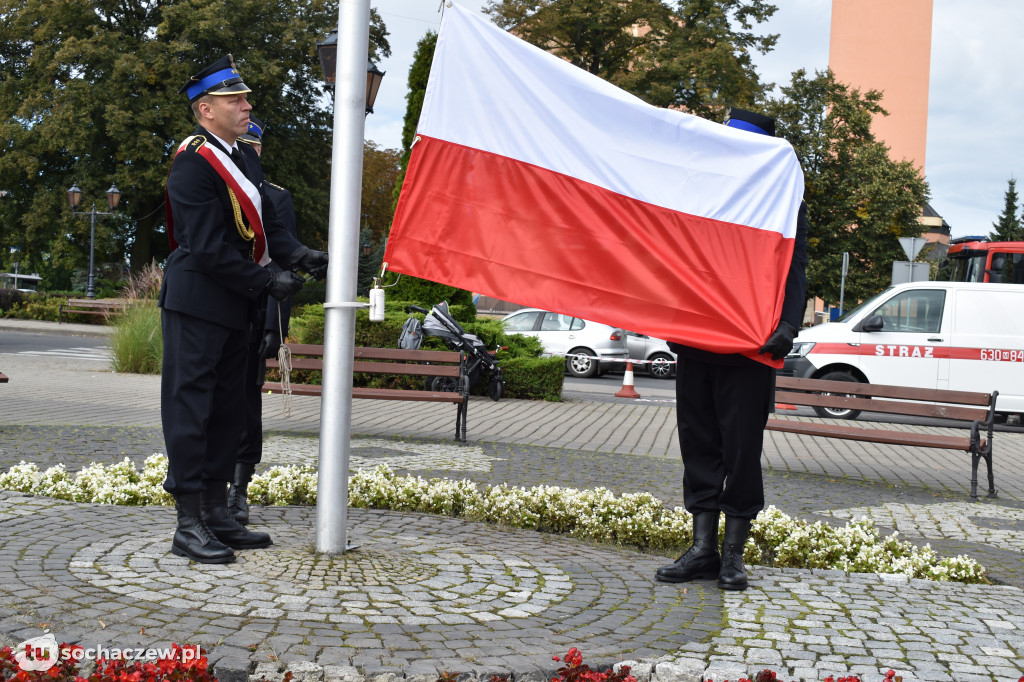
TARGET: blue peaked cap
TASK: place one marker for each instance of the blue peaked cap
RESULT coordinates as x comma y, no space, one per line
255,133
219,78
750,121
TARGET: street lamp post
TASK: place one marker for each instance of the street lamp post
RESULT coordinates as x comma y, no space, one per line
327,49
74,198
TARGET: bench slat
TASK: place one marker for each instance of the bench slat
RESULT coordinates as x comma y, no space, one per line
934,395
373,393
365,367
401,394
885,406
871,435
363,353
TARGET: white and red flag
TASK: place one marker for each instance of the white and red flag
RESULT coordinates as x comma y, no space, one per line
535,182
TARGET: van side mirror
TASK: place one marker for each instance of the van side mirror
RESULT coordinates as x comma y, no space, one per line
874,323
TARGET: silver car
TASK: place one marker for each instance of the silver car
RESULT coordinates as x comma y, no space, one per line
590,348
660,361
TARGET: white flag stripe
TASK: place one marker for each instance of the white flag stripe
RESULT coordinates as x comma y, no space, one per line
491,91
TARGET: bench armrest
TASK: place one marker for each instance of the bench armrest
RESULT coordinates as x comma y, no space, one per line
988,424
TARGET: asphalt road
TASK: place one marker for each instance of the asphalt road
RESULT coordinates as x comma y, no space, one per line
56,345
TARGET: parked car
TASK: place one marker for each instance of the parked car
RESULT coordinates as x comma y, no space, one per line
590,348
661,362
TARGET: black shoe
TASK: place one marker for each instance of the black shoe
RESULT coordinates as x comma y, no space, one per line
221,521
701,561
733,575
192,539
238,492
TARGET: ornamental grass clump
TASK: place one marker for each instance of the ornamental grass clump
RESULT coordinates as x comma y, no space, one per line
635,520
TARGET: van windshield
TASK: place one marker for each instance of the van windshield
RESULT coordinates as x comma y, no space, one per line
845,317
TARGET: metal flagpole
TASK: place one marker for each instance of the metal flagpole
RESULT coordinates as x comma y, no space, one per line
343,245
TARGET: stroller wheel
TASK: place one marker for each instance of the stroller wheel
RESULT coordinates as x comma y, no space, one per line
442,384
497,389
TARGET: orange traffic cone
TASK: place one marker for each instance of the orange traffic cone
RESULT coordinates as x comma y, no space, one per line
627,384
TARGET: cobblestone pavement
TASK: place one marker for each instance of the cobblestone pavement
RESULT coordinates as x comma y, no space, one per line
422,594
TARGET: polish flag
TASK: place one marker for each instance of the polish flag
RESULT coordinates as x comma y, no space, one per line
535,182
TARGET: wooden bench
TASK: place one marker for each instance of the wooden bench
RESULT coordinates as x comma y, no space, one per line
90,306
978,408
389,361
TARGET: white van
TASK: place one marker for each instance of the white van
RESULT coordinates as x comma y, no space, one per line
961,336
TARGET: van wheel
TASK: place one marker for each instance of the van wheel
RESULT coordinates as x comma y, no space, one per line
834,412
580,363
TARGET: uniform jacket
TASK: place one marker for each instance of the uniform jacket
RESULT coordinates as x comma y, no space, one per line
211,275
281,199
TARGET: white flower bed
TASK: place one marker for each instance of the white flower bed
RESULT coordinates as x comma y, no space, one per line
636,519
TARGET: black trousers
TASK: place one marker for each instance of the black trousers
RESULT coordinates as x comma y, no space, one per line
201,400
251,448
722,411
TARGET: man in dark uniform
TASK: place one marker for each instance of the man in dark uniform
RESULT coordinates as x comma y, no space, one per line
722,407
225,240
261,347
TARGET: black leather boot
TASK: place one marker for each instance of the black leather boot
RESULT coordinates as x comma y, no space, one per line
701,560
238,492
733,576
192,539
221,521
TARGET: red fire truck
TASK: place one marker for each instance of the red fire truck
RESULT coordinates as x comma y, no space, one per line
976,259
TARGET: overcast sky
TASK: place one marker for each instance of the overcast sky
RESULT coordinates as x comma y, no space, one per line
975,135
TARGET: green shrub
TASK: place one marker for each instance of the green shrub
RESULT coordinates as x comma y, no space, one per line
44,307
533,378
426,293
10,298
137,342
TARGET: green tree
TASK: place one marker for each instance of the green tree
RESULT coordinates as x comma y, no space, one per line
705,63
1008,227
858,199
419,72
695,56
88,95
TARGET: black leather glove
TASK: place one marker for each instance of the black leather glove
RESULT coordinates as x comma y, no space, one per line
284,284
781,341
309,261
269,344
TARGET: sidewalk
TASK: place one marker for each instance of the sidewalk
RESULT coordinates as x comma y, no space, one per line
425,594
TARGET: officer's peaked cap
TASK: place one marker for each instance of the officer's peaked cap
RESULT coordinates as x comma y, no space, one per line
219,78
750,120
255,133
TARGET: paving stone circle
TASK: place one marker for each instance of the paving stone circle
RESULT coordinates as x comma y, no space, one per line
401,576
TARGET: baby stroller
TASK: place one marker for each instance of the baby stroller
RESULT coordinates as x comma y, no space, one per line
439,322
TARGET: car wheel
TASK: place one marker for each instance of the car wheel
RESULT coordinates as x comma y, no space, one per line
662,366
443,384
835,412
581,363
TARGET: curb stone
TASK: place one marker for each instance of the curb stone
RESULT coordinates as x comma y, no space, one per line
683,670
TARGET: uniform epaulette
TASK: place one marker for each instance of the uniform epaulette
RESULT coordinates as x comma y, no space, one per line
274,186
195,144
